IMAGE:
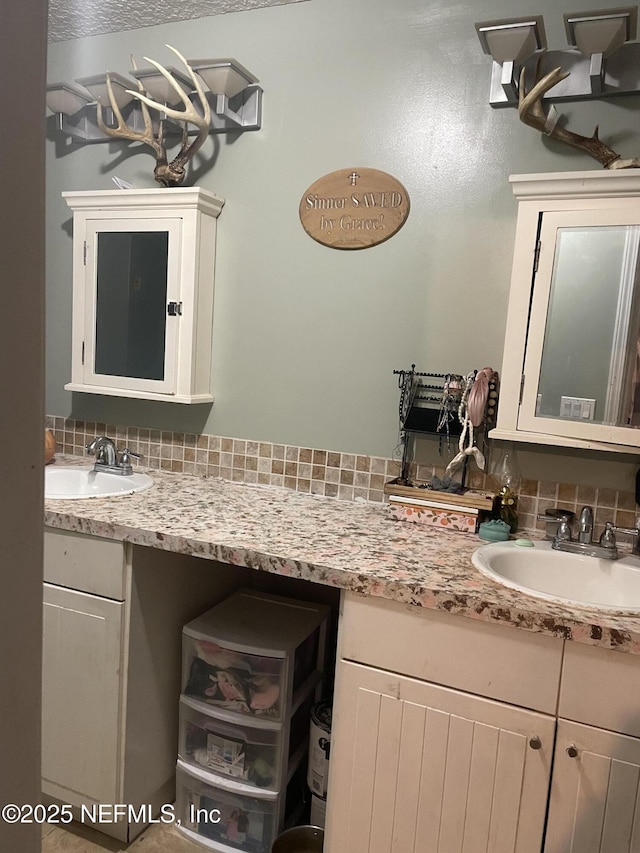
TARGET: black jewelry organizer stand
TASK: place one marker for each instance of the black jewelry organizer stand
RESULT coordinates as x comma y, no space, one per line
421,412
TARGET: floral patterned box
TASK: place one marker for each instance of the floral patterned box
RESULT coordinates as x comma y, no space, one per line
447,519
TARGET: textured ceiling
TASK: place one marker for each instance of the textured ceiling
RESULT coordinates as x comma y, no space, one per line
70,19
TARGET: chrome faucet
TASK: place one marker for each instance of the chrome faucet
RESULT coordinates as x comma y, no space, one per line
106,455
605,548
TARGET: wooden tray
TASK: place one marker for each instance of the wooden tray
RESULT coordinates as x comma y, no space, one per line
470,498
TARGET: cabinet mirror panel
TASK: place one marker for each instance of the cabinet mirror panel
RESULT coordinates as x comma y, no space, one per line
581,362
590,363
131,304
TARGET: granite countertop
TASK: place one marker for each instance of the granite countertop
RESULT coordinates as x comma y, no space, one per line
351,545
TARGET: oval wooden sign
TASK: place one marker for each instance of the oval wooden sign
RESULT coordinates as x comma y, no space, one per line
354,208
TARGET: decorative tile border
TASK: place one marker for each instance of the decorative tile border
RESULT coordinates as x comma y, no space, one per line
346,476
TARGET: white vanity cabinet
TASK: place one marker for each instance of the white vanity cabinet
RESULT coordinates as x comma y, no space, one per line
80,712
435,769
594,799
143,281
453,735
595,788
113,617
571,371
82,667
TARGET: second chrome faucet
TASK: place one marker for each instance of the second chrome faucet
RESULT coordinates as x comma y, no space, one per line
606,547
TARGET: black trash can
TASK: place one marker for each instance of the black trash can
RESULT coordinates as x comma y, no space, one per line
299,839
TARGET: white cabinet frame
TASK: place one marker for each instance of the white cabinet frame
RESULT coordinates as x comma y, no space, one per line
593,197
189,215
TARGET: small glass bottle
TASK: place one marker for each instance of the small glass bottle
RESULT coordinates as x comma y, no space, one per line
509,477
508,502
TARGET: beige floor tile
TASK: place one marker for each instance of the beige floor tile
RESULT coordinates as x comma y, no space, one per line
80,839
164,839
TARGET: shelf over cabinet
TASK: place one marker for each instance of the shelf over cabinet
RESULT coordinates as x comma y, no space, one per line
571,367
143,283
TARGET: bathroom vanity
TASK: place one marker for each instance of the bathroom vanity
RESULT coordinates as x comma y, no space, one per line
462,709
459,735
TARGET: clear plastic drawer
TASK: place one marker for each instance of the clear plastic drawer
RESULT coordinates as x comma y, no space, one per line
226,678
219,743
251,653
225,818
254,752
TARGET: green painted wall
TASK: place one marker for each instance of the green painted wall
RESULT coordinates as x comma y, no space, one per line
306,337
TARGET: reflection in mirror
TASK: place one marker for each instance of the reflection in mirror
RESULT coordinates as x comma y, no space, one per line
590,368
131,303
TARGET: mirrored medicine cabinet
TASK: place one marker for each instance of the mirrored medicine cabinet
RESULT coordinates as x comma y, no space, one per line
571,367
143,280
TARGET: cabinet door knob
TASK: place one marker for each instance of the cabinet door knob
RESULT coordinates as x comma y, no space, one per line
572,750
535,742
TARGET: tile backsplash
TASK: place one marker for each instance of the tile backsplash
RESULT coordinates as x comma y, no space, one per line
346,476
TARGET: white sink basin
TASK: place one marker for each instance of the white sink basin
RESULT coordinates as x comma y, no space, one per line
75,482
557,576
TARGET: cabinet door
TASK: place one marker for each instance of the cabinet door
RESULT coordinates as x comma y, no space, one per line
132,309
82,663
417,768
595,794
580,363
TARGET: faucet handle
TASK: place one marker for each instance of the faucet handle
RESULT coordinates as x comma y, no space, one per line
608,536
128,453
92,445
125,458
564,529
629,531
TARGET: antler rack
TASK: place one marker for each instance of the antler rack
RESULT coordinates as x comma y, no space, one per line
173,173
215,96
532,113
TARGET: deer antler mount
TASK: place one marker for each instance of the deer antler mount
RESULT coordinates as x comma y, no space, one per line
169,174
532,113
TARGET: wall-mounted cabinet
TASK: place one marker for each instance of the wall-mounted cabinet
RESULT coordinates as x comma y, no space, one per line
571,368
143,280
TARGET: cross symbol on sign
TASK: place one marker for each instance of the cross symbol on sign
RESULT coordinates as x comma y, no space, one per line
353,177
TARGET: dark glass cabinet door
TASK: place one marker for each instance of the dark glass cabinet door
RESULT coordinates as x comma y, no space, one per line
131,304
132,279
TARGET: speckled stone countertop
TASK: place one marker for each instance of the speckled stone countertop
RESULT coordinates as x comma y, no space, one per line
351,545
